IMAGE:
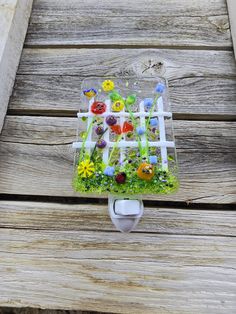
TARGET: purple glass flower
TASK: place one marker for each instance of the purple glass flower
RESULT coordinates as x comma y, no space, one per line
111,120
99,130
101,143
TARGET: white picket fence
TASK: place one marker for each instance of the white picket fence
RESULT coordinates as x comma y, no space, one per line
123,144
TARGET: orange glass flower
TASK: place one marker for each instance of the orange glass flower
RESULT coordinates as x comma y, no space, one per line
145,171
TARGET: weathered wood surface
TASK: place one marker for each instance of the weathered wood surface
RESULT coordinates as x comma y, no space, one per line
202,83
171,63
38,152
14,17
202,98
210,137
114,272
164,23
232,17
94,217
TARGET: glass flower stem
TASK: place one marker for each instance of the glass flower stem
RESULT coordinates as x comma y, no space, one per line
114,147
152,109
135,126
147,124
85,139
95,146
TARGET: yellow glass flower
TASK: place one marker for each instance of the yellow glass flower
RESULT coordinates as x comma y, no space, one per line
118,105
86,168
108,85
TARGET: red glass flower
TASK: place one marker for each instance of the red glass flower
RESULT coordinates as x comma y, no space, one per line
98,107
120,177
127,127
116,129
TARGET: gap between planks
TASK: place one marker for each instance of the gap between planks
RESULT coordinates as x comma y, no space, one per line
73,114
103,201
30,310
122,46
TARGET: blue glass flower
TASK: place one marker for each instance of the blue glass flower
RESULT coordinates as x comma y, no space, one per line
160,88
140,130
148,102
153,159
89,93
109,171
153,121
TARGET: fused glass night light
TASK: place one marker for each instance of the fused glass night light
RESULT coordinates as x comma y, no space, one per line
125,143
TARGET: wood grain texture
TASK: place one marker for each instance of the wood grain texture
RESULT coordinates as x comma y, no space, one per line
148,23
38,152
113,272
14,17
202,83
194,97
207,136
171,63
92,216
232,17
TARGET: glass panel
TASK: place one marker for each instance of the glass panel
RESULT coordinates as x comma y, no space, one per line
125,142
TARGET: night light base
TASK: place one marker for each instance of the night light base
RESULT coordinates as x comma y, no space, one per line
125,213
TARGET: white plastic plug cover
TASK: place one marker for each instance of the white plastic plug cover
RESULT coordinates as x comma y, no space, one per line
127,207
125,213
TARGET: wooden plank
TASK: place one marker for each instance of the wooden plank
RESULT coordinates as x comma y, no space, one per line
91,216
202,83
38,152
232,17
14,17
194,97
203,136
47,170
156,23
171,63
113,272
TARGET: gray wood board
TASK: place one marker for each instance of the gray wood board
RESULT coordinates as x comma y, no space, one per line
232,17
154,23
107,271
193,98
14,17
94,216
202,83
37,151
171,63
